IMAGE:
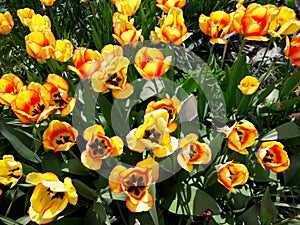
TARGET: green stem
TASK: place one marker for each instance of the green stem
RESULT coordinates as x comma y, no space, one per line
12,201
265,53
224,54
211,51
121,213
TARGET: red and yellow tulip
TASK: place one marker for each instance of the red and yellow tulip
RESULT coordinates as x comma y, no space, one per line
6,23
10,170
50,196
232,174
172,28
151,63
272,155
59,90
33,103
135,182
240,136
10,85
86,62
63,50
127,7
172,105
292,49
217,25
40,44
248,85
153,135
25,15
99,147
192,152
59,136
47,2
166,5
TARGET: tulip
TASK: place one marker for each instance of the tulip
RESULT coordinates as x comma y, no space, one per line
86,62
240,136
151,63
286,22
59,136
173,28
135,182
6,23
40,44
10,170
127,7
10,85
99,147
59,90
232,174
153,134
50,196
47,2
63,50
192,152
248,85
39,23
25,15
272,155
119,16
166,5
33,103
173,107
254,21
217,26
125,32
292,49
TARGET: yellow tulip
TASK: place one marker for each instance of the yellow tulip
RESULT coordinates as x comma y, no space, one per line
6,23
10,170
39,23
50,196
47,2
10,85
63,50
272,155
40,44
248,85
127,7
232,174
166,5
25,15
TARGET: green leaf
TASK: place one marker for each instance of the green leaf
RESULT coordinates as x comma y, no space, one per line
84,190
285,131
28,169
268,210
105,106
52,162
74,166
190,85
8,221
23,220
251,216
15,139
153,211
100,212
291,176
290,85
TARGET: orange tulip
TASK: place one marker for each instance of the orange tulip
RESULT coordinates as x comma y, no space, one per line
217,26
125,32
10,85
172,28
240,136
248,85
47,2
153,134
50,196
284,23
173,107
254,21
33,103
25,15
272,155
40,44
292,49
6,23
151,63
192,152
99,147
39,23
59,136
127,7
135,182
59,89
86,62
166,5
63,50
232,174
10,171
